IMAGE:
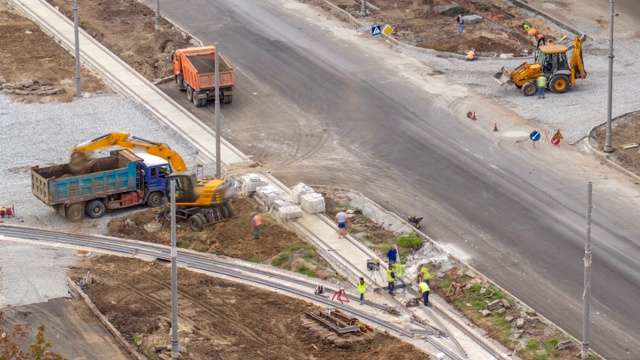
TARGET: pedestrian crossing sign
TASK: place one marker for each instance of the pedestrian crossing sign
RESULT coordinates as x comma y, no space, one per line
387,30
376,30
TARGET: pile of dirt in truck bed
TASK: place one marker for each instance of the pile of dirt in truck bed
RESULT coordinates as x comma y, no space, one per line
217,319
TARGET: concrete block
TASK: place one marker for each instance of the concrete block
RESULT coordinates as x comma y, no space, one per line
533,320
312,203
506,56
299,190
517,334
267,194
485,312
26,83
520,323
494,305
501,311
509,318
506,303
289,213
567,344
247,184
472,19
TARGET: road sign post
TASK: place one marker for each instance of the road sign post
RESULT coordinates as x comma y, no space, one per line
535,137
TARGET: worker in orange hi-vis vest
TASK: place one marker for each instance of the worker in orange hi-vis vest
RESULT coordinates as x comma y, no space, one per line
257,224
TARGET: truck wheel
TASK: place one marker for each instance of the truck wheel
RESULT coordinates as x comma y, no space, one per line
224,212
559,84
189,93
180,82
228,99
95,209
196,221
75,212
229,209
529,89
166,213
154,199
198,102
203,102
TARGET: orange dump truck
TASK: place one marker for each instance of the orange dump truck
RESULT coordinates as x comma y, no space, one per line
194,71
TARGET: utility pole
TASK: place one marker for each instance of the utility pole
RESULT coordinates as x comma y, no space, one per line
175,352
587,280
158,15
77,49
217,108
607,145
363,10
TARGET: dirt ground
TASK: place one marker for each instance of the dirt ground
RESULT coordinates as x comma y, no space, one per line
497,33
30,54
217,319
625,130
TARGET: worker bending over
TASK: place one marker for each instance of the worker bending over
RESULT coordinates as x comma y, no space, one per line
471,55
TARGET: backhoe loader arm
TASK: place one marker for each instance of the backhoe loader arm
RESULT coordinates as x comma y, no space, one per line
577,61
126,141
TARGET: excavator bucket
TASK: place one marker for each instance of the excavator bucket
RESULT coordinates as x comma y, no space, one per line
503,77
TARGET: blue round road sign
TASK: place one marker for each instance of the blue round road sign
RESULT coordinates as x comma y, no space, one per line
534,136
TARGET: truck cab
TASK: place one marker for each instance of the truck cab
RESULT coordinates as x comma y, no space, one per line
156,170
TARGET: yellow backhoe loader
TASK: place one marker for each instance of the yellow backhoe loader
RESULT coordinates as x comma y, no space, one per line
550,60
201,202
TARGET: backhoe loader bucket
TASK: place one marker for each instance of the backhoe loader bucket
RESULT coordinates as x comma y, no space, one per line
503,77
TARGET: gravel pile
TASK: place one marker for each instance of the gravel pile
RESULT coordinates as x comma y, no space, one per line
44,134
575,112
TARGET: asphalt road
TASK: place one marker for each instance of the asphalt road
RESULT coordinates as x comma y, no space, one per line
317,104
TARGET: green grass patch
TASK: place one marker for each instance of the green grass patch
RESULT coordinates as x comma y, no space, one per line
137,339
281,259
150,353
444,284
255,260
532,345
540,357
182,244
410,241
294,248
306,271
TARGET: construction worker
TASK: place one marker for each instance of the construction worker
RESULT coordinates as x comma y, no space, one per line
471,55
362,288
541,39
532,32
526,27
424,275
392,254
257,224
391,278
542,84
424,290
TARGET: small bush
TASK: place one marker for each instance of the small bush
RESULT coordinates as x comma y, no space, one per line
293,248
306,271
255,260
410,241
476,288
281,259
182,244
532,345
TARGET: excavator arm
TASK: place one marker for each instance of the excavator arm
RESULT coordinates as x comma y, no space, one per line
126,141
577,61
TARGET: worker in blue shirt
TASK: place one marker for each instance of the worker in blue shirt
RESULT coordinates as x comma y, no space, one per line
392,254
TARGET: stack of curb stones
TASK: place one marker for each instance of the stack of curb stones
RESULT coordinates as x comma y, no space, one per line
29,87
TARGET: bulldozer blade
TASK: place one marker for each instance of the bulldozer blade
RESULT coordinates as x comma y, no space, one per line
503,77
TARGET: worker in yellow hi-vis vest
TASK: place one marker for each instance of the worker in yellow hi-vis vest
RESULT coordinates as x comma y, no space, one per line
424,289
362,288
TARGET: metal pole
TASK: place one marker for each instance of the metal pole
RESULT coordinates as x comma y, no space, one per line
175,353
587,280
77,47
158,15
363,11
607,146
218,157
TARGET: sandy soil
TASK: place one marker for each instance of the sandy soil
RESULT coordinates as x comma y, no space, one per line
218,319
625,130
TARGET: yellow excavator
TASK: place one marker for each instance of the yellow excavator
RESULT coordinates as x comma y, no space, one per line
201,202
550,60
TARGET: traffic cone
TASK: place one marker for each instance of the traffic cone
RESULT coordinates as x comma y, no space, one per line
495,126
473,117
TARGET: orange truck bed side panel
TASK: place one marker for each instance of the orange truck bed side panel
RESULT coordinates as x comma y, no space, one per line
198,68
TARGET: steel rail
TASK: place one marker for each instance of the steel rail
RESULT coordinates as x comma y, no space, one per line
437,321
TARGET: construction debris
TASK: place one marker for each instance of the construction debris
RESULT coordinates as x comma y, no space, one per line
328,320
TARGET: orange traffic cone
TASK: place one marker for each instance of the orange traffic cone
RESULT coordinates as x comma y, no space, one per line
495,126
473,117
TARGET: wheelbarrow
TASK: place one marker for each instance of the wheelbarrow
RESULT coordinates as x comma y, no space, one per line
415,221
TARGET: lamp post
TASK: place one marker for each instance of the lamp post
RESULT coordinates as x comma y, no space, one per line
158,15
607,145
363,10
175,351
217,109
77,47
587,280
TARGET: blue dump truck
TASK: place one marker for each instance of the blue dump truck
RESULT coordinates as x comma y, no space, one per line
117,181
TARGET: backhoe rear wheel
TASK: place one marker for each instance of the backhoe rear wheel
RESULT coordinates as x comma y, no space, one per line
224,211
229,209
559,84
529,89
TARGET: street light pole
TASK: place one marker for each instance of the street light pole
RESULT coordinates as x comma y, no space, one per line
363,11
77,47
587,280
217,109
175,351
607,146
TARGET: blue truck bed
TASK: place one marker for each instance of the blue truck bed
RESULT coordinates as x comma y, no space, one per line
56,185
